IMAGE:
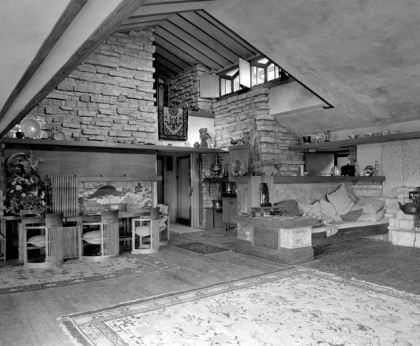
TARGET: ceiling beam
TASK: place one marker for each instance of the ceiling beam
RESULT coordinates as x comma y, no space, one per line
228,31
218,34
171,7
188,48
175,50
148,18
162,60
107,26
170,56
164,69
62,24
137,26
203,36
190,37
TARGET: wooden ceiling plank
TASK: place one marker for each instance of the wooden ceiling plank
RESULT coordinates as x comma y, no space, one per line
164,69
188,48
162,60
137,26
190,37
204,37
170,56
217,33
141,19
171,6
175,50
228,31
70,12
107,27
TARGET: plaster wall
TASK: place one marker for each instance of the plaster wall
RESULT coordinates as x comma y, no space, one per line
291,96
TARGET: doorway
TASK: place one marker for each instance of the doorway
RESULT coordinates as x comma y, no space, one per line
183,183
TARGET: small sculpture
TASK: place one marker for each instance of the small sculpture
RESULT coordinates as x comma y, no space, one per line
235,141
205,138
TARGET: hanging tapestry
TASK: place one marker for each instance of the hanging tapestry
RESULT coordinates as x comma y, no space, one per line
173,123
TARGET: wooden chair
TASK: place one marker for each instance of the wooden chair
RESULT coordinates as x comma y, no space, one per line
41,241
98,236
163,224
145,235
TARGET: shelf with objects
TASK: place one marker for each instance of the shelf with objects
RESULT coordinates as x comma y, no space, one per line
334,161
347,144
214,176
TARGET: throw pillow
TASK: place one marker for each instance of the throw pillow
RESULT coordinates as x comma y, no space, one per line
369,205
341,200
327,209
352,215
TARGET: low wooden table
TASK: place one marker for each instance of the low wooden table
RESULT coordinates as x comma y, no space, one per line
285,239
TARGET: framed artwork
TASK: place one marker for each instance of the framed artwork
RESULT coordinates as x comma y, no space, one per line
173,123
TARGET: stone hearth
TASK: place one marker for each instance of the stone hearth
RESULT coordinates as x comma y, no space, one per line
404,230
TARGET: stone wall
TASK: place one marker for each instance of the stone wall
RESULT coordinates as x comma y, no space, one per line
249,112
109,97
185,89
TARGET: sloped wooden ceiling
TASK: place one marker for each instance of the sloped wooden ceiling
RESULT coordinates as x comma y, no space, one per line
186,35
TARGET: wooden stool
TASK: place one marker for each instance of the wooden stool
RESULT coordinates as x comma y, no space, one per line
142,228
101,232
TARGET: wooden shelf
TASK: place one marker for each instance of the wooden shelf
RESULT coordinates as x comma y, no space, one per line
345,144
327,179
48,144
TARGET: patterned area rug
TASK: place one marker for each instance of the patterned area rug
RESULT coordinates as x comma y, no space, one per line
290,307
201,248
18,278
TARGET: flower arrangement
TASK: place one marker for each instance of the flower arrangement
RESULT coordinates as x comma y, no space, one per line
25,190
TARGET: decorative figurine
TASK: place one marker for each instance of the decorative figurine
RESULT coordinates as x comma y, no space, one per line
205,138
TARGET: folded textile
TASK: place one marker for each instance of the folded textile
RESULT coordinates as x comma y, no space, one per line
287,207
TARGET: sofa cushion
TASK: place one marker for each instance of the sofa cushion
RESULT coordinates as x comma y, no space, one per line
369,205
352,215
327,209
92,237
341,200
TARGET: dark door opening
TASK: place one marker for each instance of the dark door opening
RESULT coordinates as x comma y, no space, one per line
183,179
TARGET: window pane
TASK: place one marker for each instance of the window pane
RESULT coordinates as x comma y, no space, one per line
254,75
260,75
228,86
276,72
222,86
236,85
270,72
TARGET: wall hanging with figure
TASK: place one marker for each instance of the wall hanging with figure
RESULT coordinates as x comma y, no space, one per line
173,123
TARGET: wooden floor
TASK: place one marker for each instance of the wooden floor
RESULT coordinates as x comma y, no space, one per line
30,318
